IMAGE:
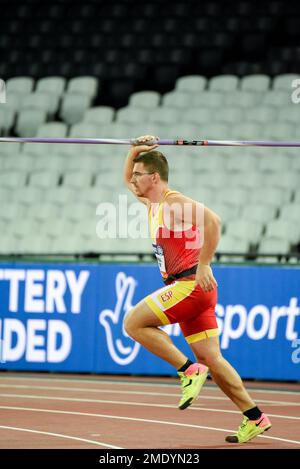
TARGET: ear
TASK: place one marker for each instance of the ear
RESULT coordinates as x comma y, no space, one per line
156,177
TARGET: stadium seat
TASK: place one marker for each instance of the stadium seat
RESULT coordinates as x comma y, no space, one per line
200,115
283,229
13,179
284,81
191,83
230,115
43,211
73,107
210,99
77,179
224,83
22,163
7,118
256,82
274,163
273,246
243,99
225,211
273,196
290,212
260,114
28,122
177,99
52,129
44,179
145,99
232,245
40,101
164,116
131,115
19,85
53,85
54,228
245,229
258,212
276,98
84,130
88,86
27,195
48,162
99,115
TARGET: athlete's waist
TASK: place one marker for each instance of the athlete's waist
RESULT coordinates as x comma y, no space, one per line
184,273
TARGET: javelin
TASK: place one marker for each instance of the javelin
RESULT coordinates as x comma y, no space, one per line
133,141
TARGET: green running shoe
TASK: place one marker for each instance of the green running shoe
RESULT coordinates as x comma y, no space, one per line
192,380
250,429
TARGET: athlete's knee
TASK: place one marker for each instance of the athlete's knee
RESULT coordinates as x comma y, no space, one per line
210,359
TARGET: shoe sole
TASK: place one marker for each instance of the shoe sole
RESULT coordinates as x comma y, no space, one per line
233,438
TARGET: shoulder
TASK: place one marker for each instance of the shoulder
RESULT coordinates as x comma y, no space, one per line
177,197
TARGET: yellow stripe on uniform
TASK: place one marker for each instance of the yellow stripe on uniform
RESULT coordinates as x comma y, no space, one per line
191,339
156,310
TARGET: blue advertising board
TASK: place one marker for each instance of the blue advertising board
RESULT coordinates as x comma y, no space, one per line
69,317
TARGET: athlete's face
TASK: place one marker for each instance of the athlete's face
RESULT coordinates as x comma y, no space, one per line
141,179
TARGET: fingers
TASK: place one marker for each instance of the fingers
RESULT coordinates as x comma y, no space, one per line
208,283
149,140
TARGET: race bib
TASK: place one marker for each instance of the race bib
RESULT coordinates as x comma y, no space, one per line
159,254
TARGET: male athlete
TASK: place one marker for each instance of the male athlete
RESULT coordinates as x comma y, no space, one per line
185,235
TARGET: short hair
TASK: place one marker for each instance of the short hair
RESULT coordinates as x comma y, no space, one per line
154,161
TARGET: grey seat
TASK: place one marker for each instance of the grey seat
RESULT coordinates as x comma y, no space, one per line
255,82
87,85
191,83
284,81
224,83
55,85
28,122
131,115
19,85
99,115
74,106
40,101
200,115
273,246
44,179
77,179
13,179
259,212
245,229
177,99
283,229
84,130
145,99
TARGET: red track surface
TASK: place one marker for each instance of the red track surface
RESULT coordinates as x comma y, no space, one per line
83,411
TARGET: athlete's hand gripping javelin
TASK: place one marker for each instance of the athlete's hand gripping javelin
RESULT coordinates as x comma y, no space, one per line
145,143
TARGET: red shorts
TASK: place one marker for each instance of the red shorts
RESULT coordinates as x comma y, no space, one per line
186,303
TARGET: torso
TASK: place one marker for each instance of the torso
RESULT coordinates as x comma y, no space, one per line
176,245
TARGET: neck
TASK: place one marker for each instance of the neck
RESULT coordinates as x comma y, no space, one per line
157,194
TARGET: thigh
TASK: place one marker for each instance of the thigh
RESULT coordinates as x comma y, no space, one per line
141,315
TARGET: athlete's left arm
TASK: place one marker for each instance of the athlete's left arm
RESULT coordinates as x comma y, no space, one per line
209,224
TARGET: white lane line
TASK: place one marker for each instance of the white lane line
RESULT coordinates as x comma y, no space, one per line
59,435
138,393
131,403
137,383
135,419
